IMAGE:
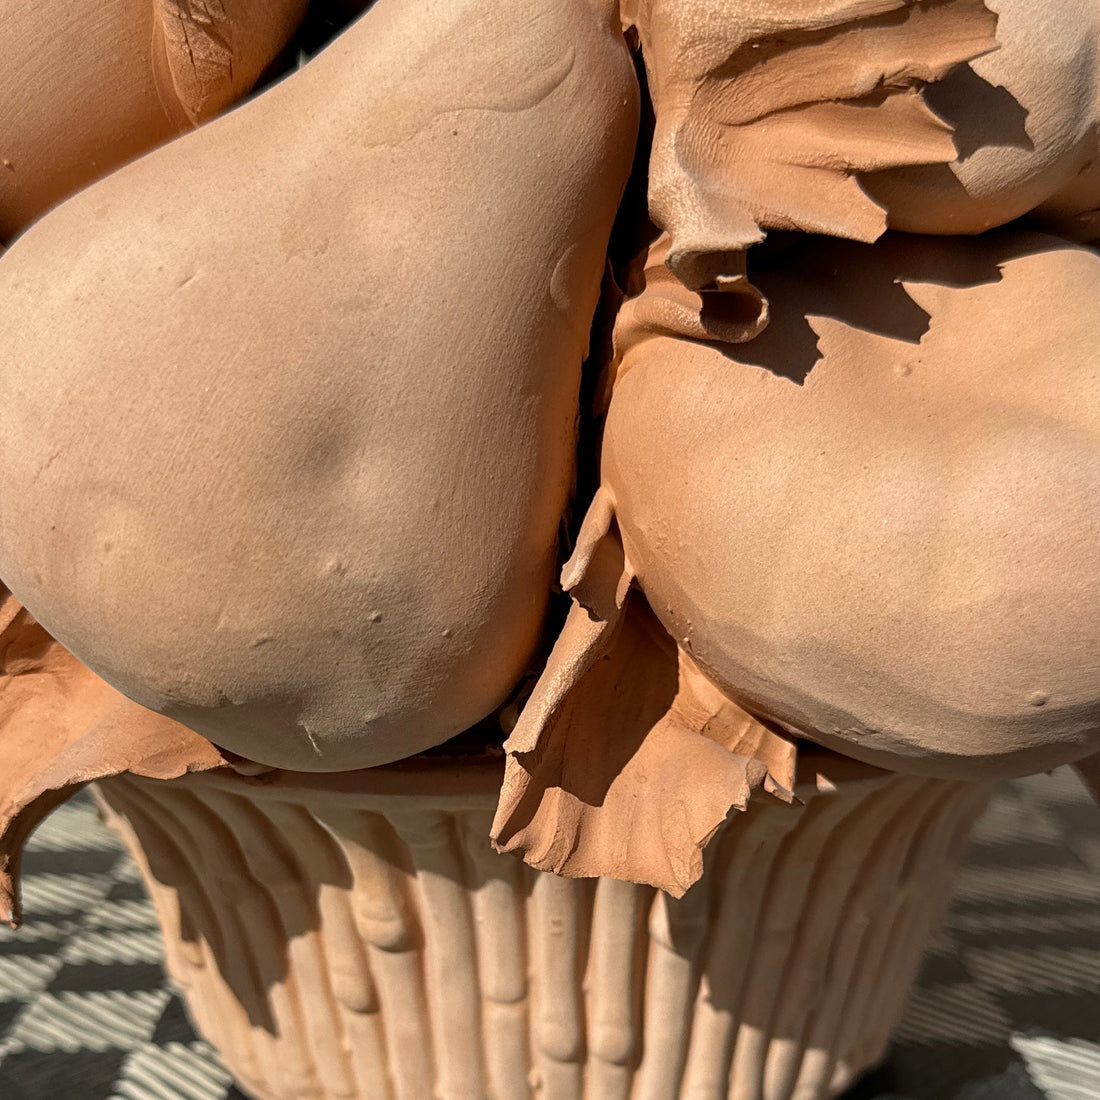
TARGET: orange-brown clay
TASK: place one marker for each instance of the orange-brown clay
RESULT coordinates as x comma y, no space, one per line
290,404
876,524
60,727
766,112
1026,121
86,85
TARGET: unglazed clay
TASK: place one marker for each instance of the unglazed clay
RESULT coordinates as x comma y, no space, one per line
288,435
355,937
874,526
311,425
765,112
60,726
1027,126
86,85
84,89
885,490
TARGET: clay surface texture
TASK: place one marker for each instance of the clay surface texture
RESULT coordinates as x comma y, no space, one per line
397,956
86,85
680,417
314,427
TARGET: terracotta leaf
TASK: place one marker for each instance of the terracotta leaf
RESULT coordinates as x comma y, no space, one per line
625,760
764,116
61,727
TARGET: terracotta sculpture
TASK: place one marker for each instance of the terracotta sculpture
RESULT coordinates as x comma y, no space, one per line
903,501
882,524
765,113
394,955
288,442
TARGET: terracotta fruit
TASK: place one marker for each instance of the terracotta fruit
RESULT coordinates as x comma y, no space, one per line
86,86
1027,131
876,524
765,113
289,404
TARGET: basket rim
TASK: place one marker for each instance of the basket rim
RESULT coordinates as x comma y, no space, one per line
471,782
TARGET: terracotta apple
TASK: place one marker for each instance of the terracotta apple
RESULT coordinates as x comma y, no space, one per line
875,527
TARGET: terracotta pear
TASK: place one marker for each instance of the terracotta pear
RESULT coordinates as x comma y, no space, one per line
289,404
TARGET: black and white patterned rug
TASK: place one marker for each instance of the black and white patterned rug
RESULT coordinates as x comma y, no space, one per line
1007,1008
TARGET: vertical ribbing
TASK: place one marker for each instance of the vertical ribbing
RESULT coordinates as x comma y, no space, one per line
922,893
362,949
860,953
186,863
266,855
498,898
677,928
834,910
253,911
336,960
557,1029
613,987
745,854
851,953
352,983
449,950
386,919
789,880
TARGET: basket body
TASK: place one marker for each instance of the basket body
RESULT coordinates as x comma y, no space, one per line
354,937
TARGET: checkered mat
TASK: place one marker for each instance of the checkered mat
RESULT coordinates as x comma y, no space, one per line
1008,1005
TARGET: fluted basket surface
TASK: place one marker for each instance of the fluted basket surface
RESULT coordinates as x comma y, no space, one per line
356,937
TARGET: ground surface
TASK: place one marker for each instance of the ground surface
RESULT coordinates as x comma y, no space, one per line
1008,1007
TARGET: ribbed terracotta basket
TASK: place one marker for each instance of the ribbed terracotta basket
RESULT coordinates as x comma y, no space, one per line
355,936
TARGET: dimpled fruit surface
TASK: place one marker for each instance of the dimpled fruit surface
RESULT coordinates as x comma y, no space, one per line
877,524
288,406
